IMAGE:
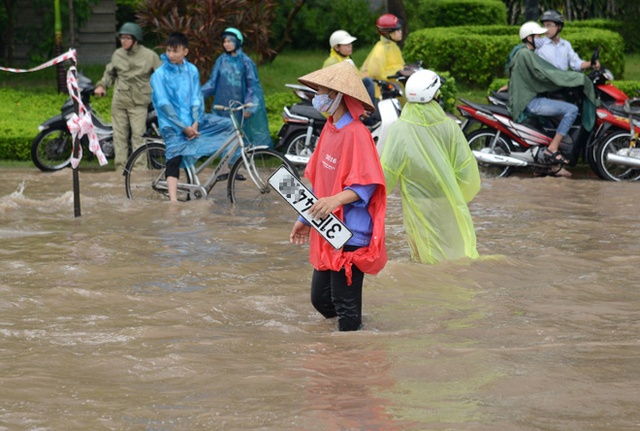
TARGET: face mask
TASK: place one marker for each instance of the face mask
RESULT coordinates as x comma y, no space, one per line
322,103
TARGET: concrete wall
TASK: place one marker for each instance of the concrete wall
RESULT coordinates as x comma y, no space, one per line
97,38
95,41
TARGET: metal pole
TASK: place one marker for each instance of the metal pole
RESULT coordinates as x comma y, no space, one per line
76,151
58,46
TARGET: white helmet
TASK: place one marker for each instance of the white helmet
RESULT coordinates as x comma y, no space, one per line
340,37
422,86
529,28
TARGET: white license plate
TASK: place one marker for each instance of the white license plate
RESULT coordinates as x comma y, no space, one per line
301,199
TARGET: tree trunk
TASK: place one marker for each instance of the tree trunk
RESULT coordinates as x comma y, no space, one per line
72,27
396,7
532,10
10,30
286,37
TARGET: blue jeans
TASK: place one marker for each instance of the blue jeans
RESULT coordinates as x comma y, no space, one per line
554,108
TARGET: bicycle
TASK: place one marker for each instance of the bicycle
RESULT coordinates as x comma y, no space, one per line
246,183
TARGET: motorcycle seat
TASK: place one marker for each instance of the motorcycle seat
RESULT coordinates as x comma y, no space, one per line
617,110
494,109
307,110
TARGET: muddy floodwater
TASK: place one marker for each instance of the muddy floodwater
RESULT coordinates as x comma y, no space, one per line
158,317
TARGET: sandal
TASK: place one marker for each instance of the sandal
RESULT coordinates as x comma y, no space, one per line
554,158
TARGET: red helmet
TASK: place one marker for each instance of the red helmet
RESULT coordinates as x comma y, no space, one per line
388,23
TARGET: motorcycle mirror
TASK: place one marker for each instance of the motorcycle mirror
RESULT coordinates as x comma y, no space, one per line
595,56
607,75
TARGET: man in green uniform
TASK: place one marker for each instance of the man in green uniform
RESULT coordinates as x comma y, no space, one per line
129,71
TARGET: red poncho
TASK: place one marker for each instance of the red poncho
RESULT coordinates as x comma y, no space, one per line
341,159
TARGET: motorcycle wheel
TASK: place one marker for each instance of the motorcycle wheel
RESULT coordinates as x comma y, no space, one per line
591,158
481,139
51,149
612,143
295,144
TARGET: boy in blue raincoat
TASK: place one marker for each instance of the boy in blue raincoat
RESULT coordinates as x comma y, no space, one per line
429,156
188,133
235,77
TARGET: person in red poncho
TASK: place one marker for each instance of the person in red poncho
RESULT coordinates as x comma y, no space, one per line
347,178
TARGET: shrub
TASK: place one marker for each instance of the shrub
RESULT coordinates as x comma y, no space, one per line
275,103
22,112
451,13
203,22
456,49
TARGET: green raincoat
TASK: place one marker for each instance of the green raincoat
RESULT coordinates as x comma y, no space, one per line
438,174
530,75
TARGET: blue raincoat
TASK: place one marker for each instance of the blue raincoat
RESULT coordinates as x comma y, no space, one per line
235,77
178,100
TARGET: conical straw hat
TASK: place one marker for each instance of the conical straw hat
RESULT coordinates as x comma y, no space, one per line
343,77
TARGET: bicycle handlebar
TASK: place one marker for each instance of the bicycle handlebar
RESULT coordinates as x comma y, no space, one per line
234,107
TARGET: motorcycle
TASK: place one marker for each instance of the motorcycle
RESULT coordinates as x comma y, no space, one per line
51,149
501,145
616,155
298,136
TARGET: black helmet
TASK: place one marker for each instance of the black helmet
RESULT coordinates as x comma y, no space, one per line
553,16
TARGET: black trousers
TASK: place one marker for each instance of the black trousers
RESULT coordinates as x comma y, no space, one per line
332,297
173,167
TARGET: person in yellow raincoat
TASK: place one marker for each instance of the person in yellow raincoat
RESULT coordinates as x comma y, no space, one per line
427,153
385,59
341,43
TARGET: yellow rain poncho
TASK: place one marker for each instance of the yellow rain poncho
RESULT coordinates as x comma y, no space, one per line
384,60
430,157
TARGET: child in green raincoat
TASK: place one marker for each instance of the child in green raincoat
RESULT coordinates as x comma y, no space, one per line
428,154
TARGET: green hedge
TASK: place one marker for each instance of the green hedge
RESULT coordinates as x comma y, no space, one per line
475,55
21,112
20,115
451,13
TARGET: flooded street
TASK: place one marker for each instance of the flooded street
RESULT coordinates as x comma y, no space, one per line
152,316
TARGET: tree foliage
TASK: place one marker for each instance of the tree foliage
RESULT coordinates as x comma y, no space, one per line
203,22
517,10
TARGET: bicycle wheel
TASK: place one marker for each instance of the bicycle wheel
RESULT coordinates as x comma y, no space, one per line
145,174
241,187
51,149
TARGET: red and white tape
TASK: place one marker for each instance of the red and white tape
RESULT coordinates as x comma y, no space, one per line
79,124
69,55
